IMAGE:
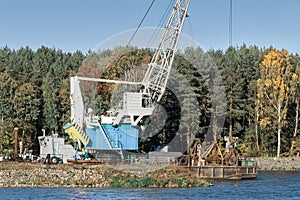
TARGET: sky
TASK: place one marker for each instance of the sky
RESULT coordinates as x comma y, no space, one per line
73,25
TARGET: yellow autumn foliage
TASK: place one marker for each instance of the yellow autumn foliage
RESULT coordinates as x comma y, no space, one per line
268,83
275,87
277,81
276,59
265,122
294,77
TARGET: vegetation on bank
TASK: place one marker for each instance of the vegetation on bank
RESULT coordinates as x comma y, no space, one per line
261,102
169,177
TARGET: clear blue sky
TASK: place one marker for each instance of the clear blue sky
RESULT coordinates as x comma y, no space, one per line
82,24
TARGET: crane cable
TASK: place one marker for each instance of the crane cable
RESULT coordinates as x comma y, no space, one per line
133,35
138,27
230,24
161,23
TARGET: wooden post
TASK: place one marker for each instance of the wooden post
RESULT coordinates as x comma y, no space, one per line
16,142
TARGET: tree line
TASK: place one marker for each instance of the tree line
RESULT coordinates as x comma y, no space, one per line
260,103
34,92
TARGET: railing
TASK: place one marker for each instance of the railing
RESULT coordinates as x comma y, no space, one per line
105,136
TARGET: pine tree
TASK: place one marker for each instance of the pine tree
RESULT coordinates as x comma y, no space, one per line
7,91
26,112
249,61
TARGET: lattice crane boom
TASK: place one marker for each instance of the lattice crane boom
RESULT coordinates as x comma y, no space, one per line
159,68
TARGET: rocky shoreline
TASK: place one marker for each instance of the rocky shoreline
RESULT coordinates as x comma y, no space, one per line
126,176
282,163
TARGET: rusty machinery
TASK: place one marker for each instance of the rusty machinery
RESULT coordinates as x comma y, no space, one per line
213,154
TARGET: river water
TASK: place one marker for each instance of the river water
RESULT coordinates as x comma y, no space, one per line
268,185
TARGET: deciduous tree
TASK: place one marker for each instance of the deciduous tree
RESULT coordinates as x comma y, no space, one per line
275,89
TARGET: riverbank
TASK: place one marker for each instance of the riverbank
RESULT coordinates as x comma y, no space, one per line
120,176
94,176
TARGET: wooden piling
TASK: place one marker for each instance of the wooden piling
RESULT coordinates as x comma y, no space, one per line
16,142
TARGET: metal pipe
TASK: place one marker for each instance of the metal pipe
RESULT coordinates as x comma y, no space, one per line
107,81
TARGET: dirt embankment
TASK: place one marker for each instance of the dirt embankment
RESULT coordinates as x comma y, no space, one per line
96,176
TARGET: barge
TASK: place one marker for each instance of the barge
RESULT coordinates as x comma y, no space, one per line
225,172
212,163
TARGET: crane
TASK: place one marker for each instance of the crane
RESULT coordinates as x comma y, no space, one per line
140,104
86,128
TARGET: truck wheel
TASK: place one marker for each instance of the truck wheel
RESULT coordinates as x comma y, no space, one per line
54,160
